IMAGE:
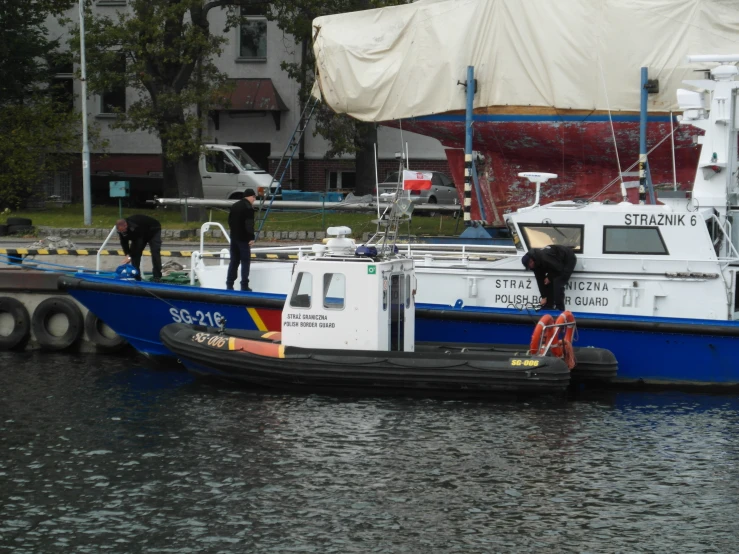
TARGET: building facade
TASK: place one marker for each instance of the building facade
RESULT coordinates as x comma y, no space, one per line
262,118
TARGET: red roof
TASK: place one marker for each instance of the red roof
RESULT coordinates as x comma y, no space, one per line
256,95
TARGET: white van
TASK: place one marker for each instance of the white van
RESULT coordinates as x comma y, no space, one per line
226,171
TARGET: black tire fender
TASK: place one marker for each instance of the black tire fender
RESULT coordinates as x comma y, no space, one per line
97,336
21,229
18,337
24,221
40,323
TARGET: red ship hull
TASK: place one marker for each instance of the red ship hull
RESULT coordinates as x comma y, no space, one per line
578,148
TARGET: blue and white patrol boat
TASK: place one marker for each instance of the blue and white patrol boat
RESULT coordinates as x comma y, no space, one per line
656,284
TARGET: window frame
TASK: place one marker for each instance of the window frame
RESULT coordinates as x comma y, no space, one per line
325,292
635,227
62,83
225,158
524,236
106,114
444,180
296,291
248,18
339,179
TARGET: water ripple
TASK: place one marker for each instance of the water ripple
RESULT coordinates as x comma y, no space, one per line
102,455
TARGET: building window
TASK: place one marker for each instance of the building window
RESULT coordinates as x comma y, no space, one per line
58,186
113,101
539,235
62,85
334,291
111,2
340,180
633,240
253,34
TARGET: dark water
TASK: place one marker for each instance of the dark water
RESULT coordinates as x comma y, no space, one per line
104,455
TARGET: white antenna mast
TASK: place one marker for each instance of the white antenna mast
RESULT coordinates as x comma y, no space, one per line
377,184
613,132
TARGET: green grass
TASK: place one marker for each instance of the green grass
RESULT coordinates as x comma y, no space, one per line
72,216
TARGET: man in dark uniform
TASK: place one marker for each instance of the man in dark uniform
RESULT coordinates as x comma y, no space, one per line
552,267
241,226
136,232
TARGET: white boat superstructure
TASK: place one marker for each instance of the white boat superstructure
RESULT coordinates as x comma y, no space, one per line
675,259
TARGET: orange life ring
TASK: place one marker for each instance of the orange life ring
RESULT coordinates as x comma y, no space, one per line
543,333
565,318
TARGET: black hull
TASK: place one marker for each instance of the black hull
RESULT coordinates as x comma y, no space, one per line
431,370
593,364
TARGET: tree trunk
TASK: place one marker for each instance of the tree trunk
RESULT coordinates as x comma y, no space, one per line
189,184
365,159
169,188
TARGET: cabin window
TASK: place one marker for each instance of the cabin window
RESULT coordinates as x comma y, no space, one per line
633,240
539,235
334,291
301,295
407,291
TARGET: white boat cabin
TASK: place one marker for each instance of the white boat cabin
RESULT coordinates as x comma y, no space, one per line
341,301
677,258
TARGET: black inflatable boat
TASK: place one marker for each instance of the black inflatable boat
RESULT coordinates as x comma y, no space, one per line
257,358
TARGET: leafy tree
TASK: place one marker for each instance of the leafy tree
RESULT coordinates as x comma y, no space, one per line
39,132
169,50
346,135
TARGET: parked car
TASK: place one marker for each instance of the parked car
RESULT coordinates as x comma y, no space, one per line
442,190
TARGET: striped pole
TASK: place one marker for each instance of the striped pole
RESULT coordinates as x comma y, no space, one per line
468,145
645,181
467,187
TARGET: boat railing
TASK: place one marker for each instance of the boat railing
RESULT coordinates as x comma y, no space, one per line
726,231
102,248
444,252
550,337
205,227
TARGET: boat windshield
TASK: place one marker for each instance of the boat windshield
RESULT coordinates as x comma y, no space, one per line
244,160
540,235
514,235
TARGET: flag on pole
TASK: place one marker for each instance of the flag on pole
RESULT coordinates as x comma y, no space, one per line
416,180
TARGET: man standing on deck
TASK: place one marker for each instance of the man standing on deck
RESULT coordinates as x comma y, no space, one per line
552,267
135,232
241,226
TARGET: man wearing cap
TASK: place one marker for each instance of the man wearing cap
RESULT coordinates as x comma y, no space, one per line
241,226
135,232
552,267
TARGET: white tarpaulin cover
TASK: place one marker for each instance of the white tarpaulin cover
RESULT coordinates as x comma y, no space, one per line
406,61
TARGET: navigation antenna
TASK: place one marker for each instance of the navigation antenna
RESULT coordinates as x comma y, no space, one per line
396,212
